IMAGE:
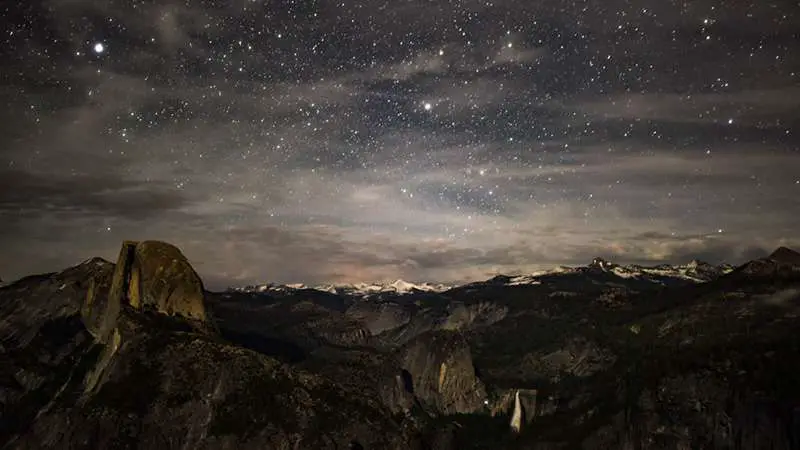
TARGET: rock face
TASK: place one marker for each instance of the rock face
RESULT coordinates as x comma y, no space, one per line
519,405
107,357
576,357
149,275
42,341
506,404
159,277
783,263
178,390
103,356
441,373
462,317
379,317
786,256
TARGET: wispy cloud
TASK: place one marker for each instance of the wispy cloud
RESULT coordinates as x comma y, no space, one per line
276,149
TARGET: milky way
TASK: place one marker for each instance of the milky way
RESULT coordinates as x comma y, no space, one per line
313,141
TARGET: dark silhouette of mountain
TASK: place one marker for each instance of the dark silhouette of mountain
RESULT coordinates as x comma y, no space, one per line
138,355
786,256
782,263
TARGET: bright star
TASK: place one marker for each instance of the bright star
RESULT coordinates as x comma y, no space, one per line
99,48
428,106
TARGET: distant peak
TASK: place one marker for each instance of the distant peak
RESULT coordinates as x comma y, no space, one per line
398,286
96,261
401,284
601,263
785,255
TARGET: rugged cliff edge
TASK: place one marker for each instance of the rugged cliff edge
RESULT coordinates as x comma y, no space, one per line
149,276
138,355
135,366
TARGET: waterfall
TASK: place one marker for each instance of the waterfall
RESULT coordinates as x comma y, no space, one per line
517,417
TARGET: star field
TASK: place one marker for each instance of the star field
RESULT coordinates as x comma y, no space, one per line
310,141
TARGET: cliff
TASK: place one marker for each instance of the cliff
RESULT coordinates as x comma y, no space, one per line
123,356
149,276
441,373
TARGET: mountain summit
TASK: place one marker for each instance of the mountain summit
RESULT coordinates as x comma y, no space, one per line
782,263
364,289
149,276
786,256
121,356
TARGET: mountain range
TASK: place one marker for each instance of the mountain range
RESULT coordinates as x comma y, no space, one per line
138,354
694,271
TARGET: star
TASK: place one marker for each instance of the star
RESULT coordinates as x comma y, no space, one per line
364,132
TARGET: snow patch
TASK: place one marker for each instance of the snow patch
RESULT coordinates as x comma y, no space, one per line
397,286
524,280
695,271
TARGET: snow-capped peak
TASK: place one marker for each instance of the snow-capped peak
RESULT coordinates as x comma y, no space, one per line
601,263
405,286
397,286
694,271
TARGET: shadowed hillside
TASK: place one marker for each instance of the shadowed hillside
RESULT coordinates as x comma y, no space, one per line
138,355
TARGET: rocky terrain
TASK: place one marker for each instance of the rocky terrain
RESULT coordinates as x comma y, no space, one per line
138,354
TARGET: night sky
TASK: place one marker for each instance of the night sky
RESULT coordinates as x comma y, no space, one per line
338,141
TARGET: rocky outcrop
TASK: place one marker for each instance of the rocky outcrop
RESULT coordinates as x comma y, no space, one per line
576,357
519,405
149,276
154,381
396,324
98,311
698,410
42,339
336,329
379,317
160,278
441,373
32,302
783,263
483,314
186,390
785,255
504,403
706,365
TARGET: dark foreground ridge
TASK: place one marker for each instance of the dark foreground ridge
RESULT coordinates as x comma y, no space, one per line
138,355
